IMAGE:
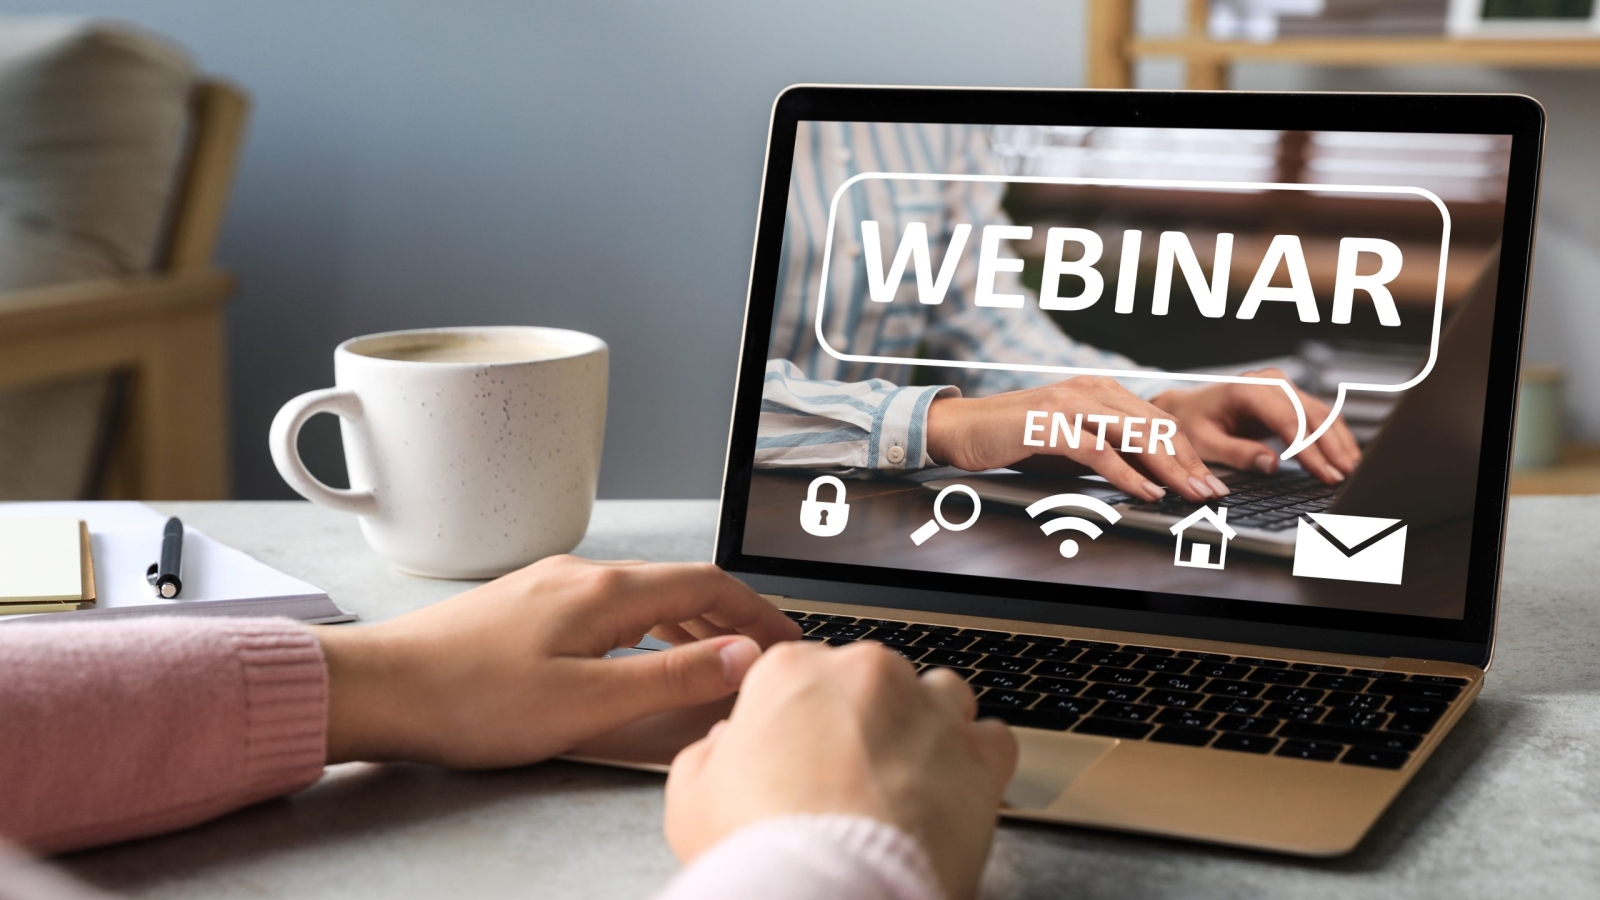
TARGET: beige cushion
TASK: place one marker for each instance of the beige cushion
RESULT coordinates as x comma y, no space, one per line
92,127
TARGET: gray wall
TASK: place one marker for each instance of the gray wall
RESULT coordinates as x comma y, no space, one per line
595,165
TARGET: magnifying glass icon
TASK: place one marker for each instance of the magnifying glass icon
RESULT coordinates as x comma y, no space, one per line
932,526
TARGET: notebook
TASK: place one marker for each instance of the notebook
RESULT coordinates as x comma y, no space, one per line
125,537
45,565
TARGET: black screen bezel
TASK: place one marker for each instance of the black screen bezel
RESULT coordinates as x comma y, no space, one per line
1469,639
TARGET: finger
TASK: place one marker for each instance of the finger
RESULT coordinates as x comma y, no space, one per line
631,687
1337,443
998,747
1273,409
1110,465
635,599
950,692
701,629
673,634
1183,469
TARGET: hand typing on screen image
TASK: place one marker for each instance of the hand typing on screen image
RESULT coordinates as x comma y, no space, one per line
1219,423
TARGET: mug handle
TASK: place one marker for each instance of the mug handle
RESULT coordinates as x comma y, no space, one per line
283,438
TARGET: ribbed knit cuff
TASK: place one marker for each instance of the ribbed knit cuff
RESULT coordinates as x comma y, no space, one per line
286,697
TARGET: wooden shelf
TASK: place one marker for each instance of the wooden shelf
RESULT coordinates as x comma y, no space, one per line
1577,473
1374,51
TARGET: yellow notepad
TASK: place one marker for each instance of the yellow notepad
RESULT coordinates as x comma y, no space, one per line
45,561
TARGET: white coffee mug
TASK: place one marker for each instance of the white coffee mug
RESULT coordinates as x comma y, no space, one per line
471,451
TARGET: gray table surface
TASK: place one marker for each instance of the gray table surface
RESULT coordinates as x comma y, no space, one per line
1510,806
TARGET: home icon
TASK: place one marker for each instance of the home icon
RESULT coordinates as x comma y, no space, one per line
1200,551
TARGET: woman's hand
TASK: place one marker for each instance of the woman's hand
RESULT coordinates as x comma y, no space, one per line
510,672
986,432
851,731
1222,421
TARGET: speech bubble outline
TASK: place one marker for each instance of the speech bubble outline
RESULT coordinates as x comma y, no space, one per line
1302,440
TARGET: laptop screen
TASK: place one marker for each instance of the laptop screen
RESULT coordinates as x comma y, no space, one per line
1242,365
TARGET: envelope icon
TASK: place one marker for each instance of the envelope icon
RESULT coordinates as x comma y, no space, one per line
1350,548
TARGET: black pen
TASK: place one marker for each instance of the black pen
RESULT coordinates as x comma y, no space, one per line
167,575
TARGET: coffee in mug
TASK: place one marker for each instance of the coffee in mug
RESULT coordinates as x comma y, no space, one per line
471,451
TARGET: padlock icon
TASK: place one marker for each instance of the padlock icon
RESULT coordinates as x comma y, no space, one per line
824,519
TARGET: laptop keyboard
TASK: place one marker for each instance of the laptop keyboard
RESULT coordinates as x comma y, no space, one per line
1359,717
1263,502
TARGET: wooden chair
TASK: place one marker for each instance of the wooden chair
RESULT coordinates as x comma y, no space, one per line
162,332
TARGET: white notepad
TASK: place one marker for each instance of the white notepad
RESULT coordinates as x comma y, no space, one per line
125,537
41,558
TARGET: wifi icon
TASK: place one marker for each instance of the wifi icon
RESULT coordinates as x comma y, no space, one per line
1069,547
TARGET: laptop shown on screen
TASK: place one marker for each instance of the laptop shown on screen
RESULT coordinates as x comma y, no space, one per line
1177,423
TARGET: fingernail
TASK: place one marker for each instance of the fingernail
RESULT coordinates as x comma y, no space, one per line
1267,463
1154,491
1200,487
738,656
1334,475
1217,487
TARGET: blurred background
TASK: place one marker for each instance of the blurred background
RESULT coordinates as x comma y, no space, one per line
596,166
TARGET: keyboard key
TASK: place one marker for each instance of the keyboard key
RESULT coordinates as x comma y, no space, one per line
998,647
1204,657
1413,724
1001,697
1355,701
811,638
1117,676
955,658
1440,679
1006,663
1030,718
1042,639
944,641
895,637
1175,699
1235,705
1091,645
1317,750
1077,706
1005,680
1360,737
1337,682
1376,759
1187,718
1293,694
1277,676
837,641
1132,712
1051,652
1373,673
1147,651
1114,692
1258,661
794,614
1414,707
1231,688
1245,743
828,617
1189,737
1219,670
1299,712
1048,669
1175,682
1117,728
1162,664
910,653
1066,687
881,623
1356,718
978,633
1107,658
1418,690
1317,667
1248,724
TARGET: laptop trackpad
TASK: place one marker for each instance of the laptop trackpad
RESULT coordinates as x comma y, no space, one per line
1048,762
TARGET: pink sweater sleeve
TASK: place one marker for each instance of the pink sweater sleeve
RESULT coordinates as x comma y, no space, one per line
810,858
116,730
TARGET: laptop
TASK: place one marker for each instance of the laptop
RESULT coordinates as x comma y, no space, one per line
914,240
